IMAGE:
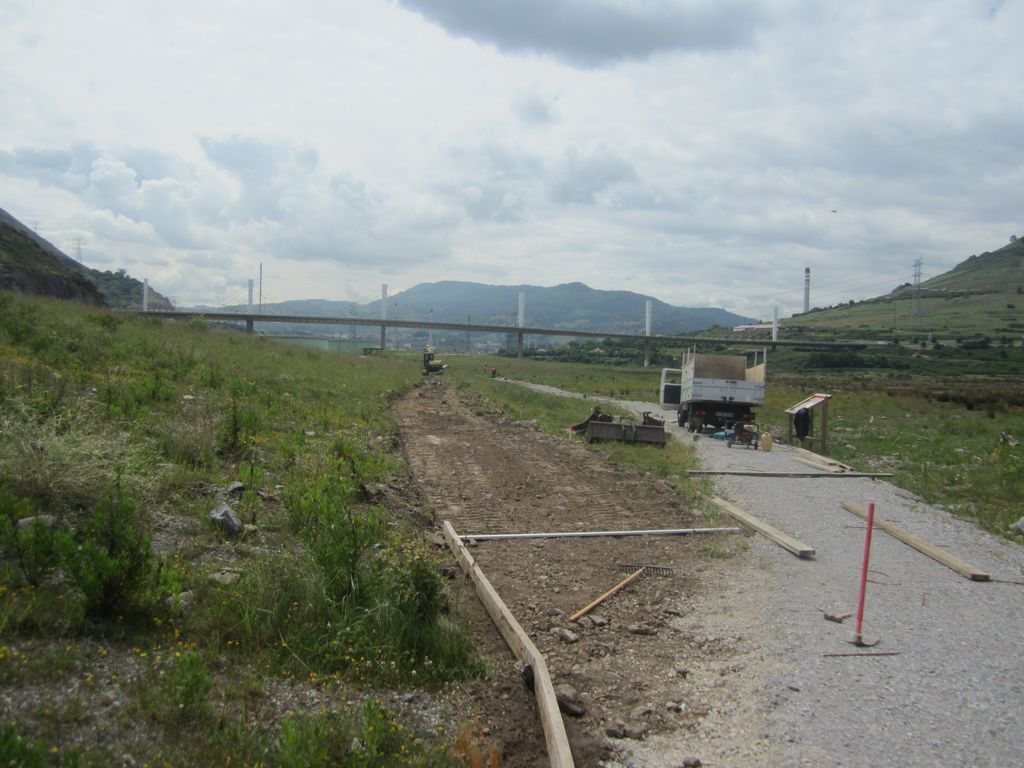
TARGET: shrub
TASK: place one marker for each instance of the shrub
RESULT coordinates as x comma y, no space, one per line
18,750
339,541
33,547
187,685
113,561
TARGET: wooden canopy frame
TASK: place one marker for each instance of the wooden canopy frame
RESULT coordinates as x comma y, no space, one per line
816,403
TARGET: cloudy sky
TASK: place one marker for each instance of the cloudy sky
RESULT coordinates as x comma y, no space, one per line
700,152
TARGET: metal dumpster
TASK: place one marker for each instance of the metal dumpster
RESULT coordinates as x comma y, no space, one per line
630,433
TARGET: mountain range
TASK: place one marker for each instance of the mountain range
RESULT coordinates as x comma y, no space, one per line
570,306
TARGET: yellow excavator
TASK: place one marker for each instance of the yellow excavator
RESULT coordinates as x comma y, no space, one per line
430,363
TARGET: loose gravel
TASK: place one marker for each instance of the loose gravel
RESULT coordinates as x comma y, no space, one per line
954,694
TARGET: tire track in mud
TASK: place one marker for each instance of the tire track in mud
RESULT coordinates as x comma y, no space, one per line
490,474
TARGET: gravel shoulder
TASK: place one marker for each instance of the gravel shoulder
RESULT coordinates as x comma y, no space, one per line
953,695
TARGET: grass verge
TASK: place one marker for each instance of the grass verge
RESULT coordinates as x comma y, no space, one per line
178,642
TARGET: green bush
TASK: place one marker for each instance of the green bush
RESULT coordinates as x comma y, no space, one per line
113,561
339,541
17,750
32,548
187,685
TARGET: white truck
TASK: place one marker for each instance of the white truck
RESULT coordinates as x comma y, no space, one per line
714,391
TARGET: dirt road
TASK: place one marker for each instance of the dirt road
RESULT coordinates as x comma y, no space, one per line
640,664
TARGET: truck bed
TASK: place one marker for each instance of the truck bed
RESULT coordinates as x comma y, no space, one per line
722,390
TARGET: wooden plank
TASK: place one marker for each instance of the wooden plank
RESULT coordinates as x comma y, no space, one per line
825,461
922,546
522,646
784,540
830,468
749,473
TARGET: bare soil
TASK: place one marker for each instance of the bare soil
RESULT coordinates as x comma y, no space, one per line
641,667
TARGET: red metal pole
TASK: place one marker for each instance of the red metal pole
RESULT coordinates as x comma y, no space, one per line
864,571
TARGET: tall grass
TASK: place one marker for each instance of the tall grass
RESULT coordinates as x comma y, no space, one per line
123,428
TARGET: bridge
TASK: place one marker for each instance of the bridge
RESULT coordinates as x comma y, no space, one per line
250,319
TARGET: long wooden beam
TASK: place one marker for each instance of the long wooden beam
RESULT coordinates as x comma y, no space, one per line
922,546
751,473
554,729
784,540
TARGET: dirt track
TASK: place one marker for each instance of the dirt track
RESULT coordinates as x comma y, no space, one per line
639,665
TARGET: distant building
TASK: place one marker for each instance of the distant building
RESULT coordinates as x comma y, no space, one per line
755,327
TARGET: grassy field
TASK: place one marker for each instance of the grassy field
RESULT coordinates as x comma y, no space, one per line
618,382
936,447
120,435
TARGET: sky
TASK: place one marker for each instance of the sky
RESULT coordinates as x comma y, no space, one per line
704,153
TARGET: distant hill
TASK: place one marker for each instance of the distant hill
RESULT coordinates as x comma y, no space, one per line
571,306
31,264
981,296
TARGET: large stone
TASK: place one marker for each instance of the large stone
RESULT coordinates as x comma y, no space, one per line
569,700
642,629
616,730
1018,527
224,517
225,576
565,635
235,489
48,521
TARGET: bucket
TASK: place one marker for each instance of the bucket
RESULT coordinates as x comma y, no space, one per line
766,443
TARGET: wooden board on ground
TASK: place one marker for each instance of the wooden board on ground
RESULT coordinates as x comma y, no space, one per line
784,540
522,646
922,546
751,473
812,459
823,467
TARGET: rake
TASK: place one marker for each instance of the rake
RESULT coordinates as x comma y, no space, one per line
649,570
635,572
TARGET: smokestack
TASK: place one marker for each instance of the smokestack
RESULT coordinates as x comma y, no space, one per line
807,289
647,319
775,323
522,309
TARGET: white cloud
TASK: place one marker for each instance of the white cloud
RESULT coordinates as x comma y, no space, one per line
692,151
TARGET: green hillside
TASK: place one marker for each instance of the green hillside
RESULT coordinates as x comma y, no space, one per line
982,296
31,264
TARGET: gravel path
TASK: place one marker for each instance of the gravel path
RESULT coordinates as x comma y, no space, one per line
954,696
